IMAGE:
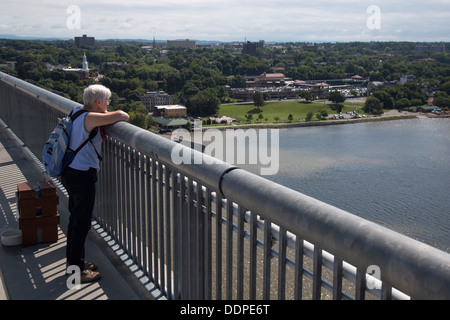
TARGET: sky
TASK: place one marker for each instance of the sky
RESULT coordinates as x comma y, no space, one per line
230,20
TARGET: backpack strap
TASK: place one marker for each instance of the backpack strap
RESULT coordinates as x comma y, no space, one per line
92,134
75,115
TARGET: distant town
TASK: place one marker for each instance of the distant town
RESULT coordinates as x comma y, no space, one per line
166,84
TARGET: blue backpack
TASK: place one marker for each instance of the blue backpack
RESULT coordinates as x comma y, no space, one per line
57,155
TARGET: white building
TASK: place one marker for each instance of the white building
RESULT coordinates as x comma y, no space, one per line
83,72
85,63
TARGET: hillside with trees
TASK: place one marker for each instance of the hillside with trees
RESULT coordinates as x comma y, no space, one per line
198,78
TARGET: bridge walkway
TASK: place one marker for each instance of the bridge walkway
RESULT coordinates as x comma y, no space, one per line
37,272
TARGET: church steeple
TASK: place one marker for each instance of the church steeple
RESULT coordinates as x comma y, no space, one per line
85,63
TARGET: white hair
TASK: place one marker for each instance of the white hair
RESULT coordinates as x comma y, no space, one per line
94,92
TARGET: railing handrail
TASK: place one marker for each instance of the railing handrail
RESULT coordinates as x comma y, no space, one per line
58,102
410,266
161,149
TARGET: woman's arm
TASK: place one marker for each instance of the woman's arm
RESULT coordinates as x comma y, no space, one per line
97,119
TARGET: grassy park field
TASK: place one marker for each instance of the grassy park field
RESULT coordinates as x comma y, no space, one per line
279,111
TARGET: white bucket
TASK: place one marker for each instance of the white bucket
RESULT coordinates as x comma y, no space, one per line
11,238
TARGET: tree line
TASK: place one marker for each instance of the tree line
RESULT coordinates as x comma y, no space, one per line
198,78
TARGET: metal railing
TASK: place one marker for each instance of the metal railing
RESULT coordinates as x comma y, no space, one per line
215,231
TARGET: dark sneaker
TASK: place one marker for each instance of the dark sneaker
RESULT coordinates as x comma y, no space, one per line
87,265
90,266
89,276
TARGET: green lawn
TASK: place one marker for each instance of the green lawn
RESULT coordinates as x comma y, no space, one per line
282,110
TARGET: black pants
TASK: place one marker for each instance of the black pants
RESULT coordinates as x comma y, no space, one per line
80,186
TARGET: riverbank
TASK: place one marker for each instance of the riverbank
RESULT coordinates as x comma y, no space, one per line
310,123
387,116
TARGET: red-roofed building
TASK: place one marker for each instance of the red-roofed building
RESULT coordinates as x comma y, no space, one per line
320,89
270,80
357,77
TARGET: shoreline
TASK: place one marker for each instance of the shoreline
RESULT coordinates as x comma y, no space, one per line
302,124
312,123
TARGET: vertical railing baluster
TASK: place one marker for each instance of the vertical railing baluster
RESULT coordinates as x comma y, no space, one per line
108,158
229,251
386,291
298,288
143,178
140,209
190,234
149,222
168,229
360,288
240,254
207,242
132,212
155,245
115,180
282,264
123,199
317,273
184,247
176,235
267,258
128,202
200,243
135,206
337,278
162,274
218,248
253,255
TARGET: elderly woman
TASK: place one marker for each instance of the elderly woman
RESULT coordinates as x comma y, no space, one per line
80,177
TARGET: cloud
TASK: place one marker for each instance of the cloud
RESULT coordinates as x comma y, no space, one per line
227,20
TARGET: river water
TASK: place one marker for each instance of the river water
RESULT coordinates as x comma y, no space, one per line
395,173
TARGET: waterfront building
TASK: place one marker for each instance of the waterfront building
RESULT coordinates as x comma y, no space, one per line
320,89
170,111
269,80
151,99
